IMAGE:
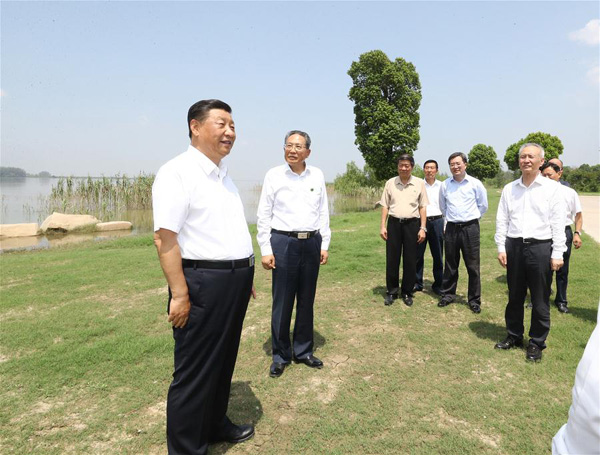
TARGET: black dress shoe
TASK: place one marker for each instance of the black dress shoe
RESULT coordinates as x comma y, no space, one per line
389,299
233,433
417,288
534,353
310,361
407,299
475,307
562,307
444,302
509,342
276,369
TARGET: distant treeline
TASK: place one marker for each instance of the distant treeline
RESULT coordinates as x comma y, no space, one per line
6,171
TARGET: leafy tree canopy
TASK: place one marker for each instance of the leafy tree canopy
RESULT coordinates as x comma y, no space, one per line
387,96
12,172
483,163
552,145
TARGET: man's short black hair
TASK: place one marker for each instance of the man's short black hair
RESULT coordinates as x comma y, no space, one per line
548,164
455,154
199,111
431,161
406,157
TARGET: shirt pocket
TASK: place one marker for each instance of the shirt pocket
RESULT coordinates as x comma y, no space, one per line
312,196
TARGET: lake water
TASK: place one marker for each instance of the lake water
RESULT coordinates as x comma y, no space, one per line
25,200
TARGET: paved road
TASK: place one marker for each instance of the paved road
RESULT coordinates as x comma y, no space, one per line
591,215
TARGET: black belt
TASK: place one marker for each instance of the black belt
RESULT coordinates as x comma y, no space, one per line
232,264
298,234
432,218
464,223
404,220
531,240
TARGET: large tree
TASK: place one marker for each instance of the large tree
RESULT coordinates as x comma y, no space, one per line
552,145
386,96
483,163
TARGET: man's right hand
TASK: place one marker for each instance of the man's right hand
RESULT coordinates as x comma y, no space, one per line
502,259
383,233
179,311
268,262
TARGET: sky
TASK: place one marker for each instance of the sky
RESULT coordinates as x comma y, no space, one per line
100,88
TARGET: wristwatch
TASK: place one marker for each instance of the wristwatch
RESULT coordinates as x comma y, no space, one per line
424,228
578,233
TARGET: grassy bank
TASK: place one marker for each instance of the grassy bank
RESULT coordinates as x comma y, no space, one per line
86,358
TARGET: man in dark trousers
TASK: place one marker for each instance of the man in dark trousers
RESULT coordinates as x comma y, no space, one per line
530,235
205,251
293,235
403,219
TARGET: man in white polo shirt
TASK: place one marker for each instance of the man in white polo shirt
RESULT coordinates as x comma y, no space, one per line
205,251
293,235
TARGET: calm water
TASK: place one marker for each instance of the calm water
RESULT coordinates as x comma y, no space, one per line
25,201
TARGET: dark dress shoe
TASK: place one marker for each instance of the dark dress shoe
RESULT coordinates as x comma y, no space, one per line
389,299
509,342
444,302
475,308
417,288
233,433
407,299
534,353
276,369
562,307
310,361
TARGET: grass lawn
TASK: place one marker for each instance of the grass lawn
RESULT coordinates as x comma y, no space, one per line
86,357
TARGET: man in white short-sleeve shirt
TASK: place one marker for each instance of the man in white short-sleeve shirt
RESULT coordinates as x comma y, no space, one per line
205,251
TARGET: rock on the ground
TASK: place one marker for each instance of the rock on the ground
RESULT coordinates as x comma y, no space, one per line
114,226
19,230
61,222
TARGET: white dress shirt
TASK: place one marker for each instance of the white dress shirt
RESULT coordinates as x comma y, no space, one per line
433,194
572,202
463,201
292,202
196,199
537,211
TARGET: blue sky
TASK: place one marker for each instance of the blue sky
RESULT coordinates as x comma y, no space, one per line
99,88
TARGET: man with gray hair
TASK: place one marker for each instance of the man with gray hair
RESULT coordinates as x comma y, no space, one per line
293,235
530,236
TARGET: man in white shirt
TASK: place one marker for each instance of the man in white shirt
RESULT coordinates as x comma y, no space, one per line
574,215
293,235
530,235
435,230
205,251
559,163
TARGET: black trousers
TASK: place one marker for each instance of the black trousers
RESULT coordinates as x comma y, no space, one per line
461,237
528,266
401,242
562,275
205,354
295,277
435,239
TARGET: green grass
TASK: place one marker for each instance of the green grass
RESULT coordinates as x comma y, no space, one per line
86,358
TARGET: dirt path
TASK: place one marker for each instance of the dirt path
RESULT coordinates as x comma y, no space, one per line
591,216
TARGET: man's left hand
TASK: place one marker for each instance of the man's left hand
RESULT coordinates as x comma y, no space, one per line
556,264
421,236
324,257
253,292
577,241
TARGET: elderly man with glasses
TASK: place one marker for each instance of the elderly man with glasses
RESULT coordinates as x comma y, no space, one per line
293,235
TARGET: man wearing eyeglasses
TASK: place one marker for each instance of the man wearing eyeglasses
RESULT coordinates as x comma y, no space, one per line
293,235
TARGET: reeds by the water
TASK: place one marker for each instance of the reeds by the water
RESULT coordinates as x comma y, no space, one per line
102,197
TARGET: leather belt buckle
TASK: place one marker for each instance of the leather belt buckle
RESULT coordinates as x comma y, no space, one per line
303,235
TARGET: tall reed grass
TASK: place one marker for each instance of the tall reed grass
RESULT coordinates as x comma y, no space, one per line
102,197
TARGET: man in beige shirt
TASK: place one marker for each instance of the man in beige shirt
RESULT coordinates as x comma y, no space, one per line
403,225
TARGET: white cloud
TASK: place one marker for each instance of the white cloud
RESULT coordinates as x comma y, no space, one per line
593,75
590,34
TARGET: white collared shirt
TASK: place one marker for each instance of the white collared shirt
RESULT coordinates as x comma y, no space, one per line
433,194
463,201
292,202
196,199
573,205
537,211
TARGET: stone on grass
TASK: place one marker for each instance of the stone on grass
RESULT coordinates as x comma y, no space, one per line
19,230
61,222
114,226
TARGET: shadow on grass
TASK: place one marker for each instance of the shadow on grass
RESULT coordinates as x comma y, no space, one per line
244,408
319,341
587,314
501,278
487,330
